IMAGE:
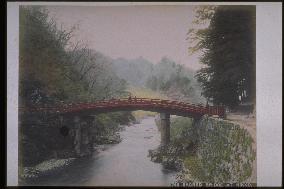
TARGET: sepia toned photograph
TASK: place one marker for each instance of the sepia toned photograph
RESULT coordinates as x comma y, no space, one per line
137,95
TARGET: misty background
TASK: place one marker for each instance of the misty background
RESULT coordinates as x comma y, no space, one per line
132,31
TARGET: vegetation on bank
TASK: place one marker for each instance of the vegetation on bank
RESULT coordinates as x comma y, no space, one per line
211,150
182,131
109,123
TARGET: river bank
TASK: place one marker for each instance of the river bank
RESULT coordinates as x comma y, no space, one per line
122,164
57,165
209,150
46,140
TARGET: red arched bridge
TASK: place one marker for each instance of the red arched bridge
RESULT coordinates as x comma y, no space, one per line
164,107
132,104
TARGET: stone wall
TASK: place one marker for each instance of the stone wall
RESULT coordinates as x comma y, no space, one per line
42,138
224,152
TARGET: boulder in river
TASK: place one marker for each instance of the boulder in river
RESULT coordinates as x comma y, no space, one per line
45,168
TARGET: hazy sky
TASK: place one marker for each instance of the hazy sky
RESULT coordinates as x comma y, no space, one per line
132,31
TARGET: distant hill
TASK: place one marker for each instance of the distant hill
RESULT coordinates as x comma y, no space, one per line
168,77
134,71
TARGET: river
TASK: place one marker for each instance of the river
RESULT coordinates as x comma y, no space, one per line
123,164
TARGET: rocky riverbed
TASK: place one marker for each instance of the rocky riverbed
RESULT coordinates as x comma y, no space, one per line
168,156
44,168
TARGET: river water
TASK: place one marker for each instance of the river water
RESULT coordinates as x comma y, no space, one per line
123,164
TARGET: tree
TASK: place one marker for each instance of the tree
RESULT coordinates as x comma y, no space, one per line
53,70
152,83
228,54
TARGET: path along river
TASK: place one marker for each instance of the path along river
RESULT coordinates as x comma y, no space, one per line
123,164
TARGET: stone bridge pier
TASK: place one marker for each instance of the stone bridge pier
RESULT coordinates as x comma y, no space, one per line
77,135
165,128
83,134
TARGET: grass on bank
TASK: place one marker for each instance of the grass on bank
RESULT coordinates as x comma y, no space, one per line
144,93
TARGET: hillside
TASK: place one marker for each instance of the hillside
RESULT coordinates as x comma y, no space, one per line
166,77
134,71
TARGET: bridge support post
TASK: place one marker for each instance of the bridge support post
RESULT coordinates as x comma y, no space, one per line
77,139
88,137
165,129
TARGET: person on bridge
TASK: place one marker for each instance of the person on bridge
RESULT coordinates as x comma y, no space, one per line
129,98
135,98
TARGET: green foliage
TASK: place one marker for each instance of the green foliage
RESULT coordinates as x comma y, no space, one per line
165,76
108,123
215,151
152,83
183,132
225,151
134,71
52,69
42,54
168,76
203,15
122,117
228,47
193,164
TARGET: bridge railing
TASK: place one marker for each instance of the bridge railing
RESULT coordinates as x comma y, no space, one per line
215,110
134,101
